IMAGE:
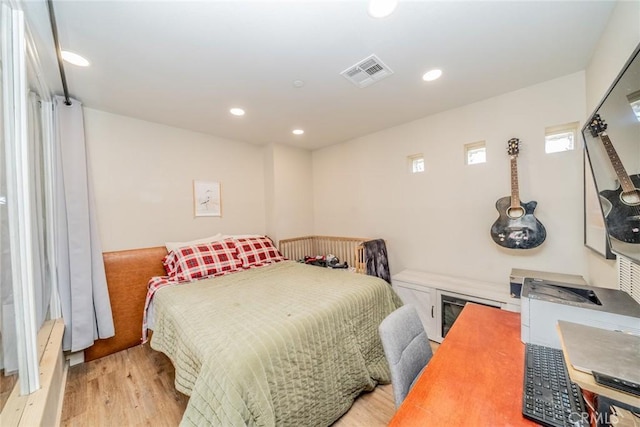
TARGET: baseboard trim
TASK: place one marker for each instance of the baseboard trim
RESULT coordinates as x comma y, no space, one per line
75,358
45,404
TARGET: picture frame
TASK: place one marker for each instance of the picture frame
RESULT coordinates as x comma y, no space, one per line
206,198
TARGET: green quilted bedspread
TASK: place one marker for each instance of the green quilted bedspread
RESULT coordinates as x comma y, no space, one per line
287,344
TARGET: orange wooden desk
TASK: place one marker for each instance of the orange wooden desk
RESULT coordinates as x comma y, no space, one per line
475,377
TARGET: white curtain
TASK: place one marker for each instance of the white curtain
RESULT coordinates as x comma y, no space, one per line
8,343
84,297
41,276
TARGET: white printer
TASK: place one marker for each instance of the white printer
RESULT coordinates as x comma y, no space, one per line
544,302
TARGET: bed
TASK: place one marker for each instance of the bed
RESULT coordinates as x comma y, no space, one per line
279,344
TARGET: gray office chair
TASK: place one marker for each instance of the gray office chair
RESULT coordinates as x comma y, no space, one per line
406,347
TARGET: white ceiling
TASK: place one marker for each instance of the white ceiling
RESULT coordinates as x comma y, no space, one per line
184,63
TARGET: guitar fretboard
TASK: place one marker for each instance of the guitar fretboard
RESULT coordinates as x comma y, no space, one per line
515,193
618,167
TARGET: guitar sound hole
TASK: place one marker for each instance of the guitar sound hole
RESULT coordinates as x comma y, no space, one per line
630,198
514,213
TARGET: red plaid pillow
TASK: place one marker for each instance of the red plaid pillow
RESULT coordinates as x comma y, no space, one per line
206,259
257,251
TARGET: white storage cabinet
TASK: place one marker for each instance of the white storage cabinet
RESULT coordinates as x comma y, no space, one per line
426,291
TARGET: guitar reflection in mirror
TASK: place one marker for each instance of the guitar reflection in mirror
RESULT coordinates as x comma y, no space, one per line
516,227
621,207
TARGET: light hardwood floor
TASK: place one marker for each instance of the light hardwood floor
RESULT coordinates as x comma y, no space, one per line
134,387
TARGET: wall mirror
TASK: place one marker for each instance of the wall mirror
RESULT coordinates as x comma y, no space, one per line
612,143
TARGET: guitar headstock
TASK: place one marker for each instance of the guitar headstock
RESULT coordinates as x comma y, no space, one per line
513,146
597,126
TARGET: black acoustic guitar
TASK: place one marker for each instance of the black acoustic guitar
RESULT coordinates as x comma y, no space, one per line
516,227
621,207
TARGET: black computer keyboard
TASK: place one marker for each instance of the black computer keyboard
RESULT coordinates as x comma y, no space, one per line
549,397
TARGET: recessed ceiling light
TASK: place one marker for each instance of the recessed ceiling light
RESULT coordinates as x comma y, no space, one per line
237,111
74,58
382,8
432,75
297,132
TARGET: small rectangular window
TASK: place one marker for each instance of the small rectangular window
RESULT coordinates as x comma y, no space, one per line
634,101
475,153
636,109
416,163
560,138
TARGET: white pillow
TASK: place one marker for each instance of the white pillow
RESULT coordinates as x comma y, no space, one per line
241,236
171,246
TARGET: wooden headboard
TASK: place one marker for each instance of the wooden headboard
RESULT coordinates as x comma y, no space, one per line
128,273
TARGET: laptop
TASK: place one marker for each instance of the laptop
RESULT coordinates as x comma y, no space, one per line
612,357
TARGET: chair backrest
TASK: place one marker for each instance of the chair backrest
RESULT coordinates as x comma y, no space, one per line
406,347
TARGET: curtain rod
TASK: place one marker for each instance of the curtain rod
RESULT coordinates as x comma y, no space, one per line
54,30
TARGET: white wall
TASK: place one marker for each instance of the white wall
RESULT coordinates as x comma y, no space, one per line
289,192
620,38
143,179
439,221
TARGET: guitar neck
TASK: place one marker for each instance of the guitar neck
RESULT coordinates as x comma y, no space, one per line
515,193
623,177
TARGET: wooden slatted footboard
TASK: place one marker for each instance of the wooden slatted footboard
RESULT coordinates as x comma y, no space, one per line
347,249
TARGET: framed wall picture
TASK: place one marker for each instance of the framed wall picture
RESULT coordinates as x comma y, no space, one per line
206,198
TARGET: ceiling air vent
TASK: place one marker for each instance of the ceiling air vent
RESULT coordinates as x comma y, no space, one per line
367,72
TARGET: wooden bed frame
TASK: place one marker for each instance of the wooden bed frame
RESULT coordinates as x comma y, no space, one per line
128,273
347,249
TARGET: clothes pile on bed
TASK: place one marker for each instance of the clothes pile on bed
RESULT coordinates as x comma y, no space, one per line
329,261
